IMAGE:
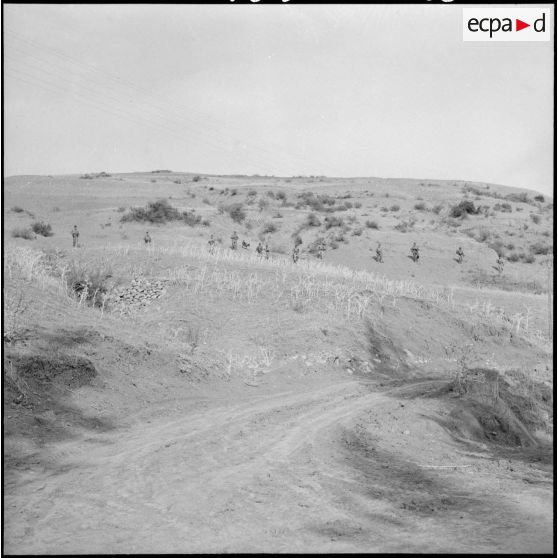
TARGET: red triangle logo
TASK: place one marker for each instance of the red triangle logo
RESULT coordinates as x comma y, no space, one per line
519,25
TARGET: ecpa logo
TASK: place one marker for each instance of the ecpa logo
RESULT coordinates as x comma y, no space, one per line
506,24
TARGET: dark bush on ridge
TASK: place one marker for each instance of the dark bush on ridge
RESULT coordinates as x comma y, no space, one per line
463,208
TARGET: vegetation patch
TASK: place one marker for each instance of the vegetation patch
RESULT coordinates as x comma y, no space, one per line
332,221
462,209
269,228
160,212
88,283
23,232
91,176
44,229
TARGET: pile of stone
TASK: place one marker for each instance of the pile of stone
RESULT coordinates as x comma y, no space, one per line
140,294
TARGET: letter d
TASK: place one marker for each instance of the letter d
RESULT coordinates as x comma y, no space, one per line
542,21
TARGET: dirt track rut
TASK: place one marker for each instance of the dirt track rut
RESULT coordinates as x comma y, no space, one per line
282,473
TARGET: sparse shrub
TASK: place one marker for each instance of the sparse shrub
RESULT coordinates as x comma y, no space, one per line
277,215
312,220
23,232
394,207
44,229
333,245
383,209
339,208
236,212
205,222
87,283
510,246
234,192
358,205
513,257
371,224
348,205
497,246
535,218
483,235
102,174
462,209
358,232
206,201
317,203
252,193
177,181
523,197
190,218
540,249
159,211
17,209
437,208
55,209
503,207
528,258
280,195
405,226
269,228
196,178
332,221
420,206
121,209
539,198
262,204
270,194
297,240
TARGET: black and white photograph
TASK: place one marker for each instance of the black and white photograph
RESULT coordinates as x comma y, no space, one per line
278,277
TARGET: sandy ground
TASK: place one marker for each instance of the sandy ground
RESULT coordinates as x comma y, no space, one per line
331,467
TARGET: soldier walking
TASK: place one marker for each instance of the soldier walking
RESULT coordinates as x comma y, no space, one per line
234,240
460,255
259,249
147,238
296,253
321,248
500,263
245,245
211,243
266,251
379,254
415,252
75,236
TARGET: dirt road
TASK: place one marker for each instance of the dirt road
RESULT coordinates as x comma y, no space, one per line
336,468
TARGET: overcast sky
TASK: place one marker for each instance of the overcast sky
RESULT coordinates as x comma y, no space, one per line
338,90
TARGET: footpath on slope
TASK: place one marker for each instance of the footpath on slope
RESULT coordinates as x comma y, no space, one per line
333,467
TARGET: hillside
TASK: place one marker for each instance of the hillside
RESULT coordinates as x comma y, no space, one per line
242,404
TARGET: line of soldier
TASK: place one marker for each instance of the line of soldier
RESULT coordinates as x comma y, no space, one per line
320,249
415,256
